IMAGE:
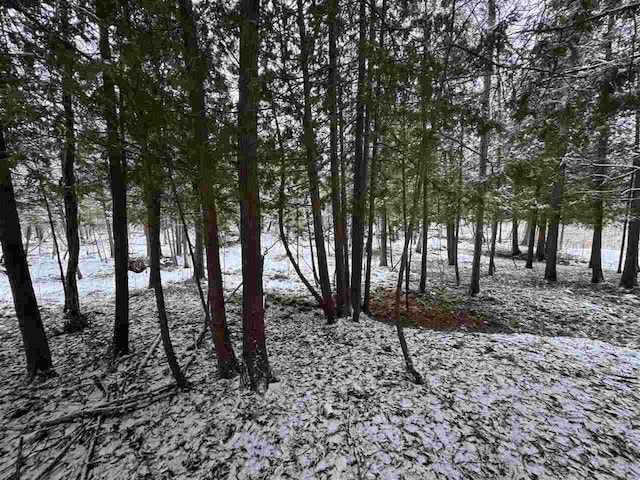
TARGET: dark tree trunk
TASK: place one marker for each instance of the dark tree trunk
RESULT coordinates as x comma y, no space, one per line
492,251
360,172
34,338
629,277
254,343
311,148
109,230
198,264
420,179
531,227
550,272
515,249
343,198
197,70
604,102
119,248
474,288
451,238
383,235
74,319
336,206
153,214
542,239
425,239
375,163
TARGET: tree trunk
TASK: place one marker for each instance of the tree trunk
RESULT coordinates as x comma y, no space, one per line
119,248
336,206
604,102
343,198
109,230
311,148
255,349
525,237
515,249
185,246
383,236
542,237
531,227
360,171
425,240
629,277
153,215
420,179
474,288
198,264
451,238
27,240
32,331
550,272
73,320
492,251
197,70
375,161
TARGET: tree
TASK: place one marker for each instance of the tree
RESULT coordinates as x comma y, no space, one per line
74,319
196,69
312,168
360,172
34,337
336,204
474,288
120,243
254,342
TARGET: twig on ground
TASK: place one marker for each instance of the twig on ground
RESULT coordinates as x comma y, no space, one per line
146,358
87,460
51,465
113,406
19,459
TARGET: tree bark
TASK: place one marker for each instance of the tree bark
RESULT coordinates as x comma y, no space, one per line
531,227
383,235
344,202
360,171
474,288
197,70
32,331
254,343
515,248
629,277
119,247
542,238
550,272
153,215
425,239
74,320
336,205
492,251
311,148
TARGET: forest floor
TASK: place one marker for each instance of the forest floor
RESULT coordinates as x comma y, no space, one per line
546,384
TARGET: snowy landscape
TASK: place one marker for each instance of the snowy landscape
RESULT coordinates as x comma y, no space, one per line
555,395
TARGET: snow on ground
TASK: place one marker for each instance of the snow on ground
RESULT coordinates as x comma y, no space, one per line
493,406
534,404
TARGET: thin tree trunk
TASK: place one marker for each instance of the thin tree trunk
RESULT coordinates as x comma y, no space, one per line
336,204
313,255
474,288
344,202
420,178
185,246
109,230
542,238
532,236
74,320
375,161
550,272
383,235
153,209
32,331
425,239
360,171
54,236
254,342
525,237
492,251
328,305
27,240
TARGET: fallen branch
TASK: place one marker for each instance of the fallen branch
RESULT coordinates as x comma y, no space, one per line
92,447
148,355
118,405
78,433
19,459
